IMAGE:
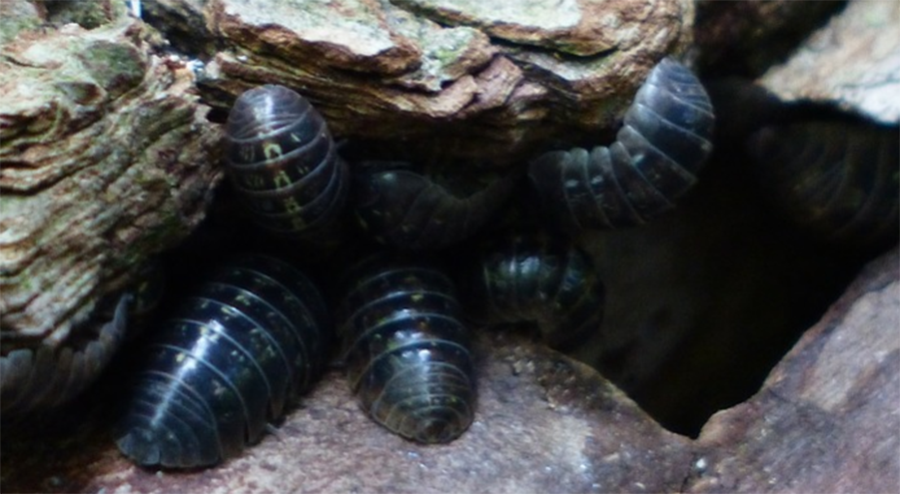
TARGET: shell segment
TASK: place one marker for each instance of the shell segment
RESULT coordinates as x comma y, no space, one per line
407,353
248,341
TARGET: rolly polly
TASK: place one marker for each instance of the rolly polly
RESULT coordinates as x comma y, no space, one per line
538,279
46,377
410,211
284,164
252,338
664,140
836,179
407,351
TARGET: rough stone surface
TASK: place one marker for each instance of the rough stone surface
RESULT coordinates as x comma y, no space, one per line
852,63
746,38
544,423
828,416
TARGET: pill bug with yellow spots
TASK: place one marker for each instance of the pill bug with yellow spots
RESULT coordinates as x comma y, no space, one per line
406,350
539,279
42,378
283,162
836,179
228,362
408,210
665,139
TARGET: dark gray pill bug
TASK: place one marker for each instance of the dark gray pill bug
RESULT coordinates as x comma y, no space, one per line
43,378
665,139
228,362
538,279
409,210
283,162
408,355
835,179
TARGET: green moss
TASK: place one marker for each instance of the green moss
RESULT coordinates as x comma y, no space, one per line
11,26
117,68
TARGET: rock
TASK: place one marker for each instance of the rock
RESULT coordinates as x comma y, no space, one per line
746,38
851,63
544,423
826,419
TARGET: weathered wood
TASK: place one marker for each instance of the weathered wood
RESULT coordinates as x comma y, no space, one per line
499,79
107,158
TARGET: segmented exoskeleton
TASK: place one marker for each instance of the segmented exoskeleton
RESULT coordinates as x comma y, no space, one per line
835,178
664,140
46,377
407,353
252,337
409,210
544,280
283,162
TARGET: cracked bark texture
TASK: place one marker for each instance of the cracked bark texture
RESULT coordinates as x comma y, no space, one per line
107,159
432,74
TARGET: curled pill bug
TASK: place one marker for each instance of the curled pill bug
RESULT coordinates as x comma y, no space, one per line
408,355
547,281
46,377
408,210
835,179
664,140
249,340
283,163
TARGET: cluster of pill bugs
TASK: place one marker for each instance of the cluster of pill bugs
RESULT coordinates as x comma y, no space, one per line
257,332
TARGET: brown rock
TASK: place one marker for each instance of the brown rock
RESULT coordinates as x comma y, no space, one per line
828,416
544,423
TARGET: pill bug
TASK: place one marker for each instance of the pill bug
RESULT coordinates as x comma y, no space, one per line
253,337
283,163
408,210
835,179
547,281
407,352
47,377
664,140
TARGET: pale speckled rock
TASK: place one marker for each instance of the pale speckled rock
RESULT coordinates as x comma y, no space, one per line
852,62
16,16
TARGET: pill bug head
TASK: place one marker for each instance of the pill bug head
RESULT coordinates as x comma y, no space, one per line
283,164
664,140
406,350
